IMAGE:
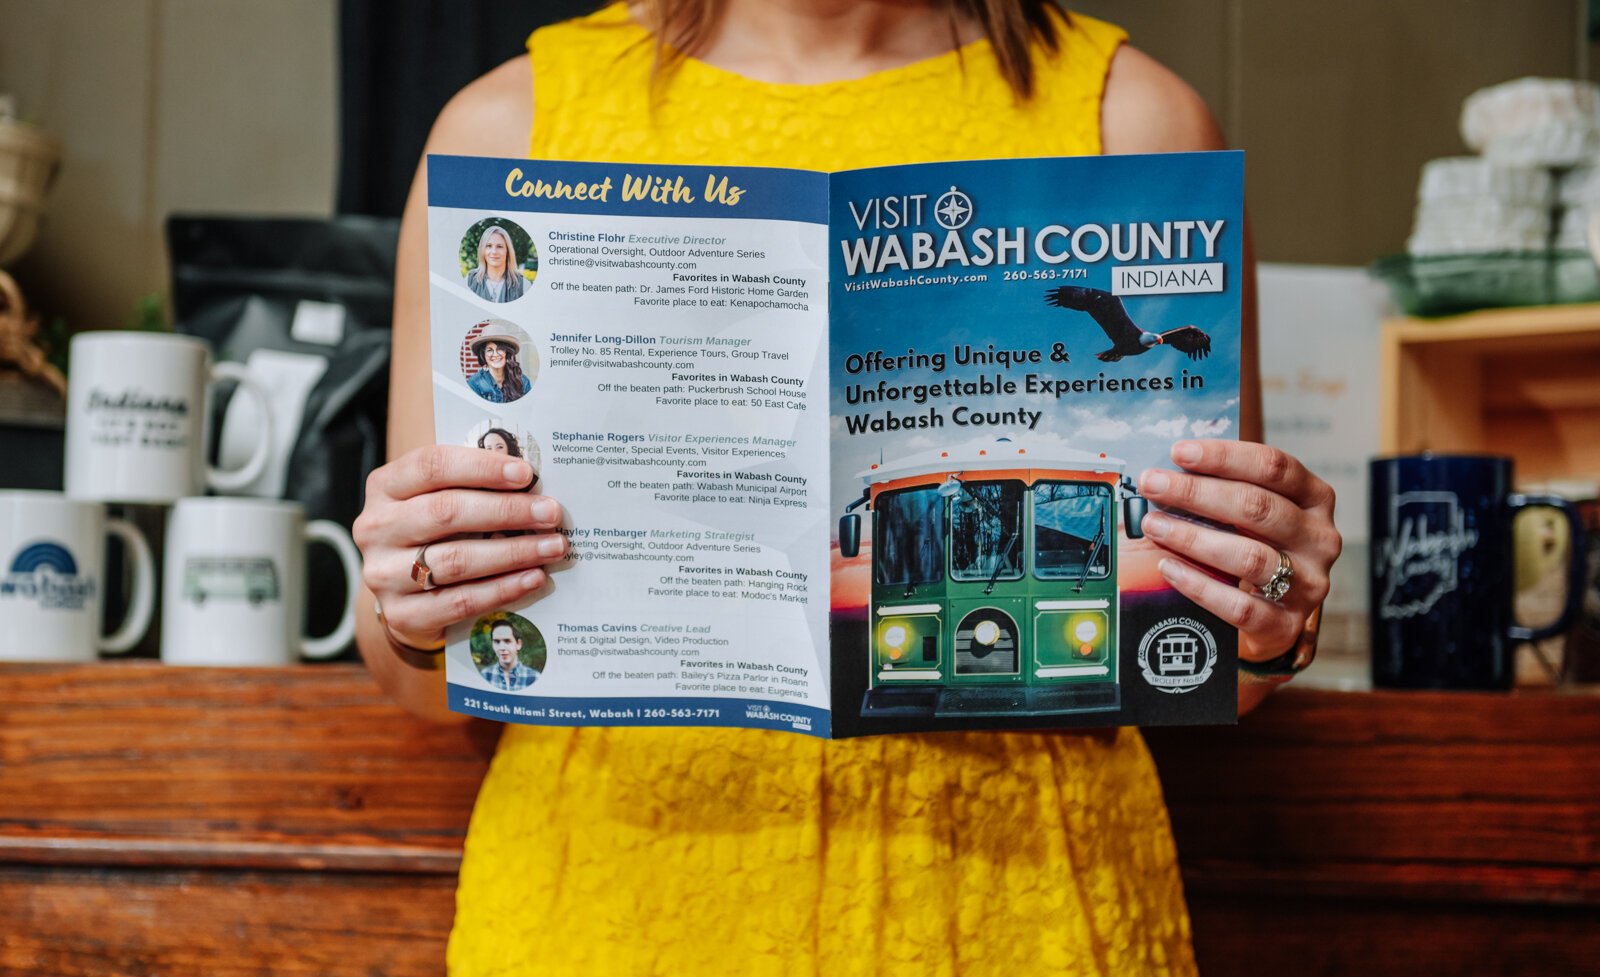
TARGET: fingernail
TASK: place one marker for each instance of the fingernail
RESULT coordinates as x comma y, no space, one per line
1173,571
552,546
1154,480
532,578
1155,524
1186,453
516,472
546,510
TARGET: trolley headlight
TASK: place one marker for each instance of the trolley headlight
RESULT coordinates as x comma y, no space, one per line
986,633
894,636
1086,631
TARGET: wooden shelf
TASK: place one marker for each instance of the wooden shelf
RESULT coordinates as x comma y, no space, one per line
292,821
1519,382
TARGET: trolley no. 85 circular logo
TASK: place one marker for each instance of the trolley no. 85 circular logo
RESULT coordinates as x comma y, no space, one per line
1177,655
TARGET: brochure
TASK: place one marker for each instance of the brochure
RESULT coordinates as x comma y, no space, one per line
842,453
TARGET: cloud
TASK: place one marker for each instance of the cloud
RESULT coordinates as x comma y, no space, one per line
1105,429
1210,429
1170,428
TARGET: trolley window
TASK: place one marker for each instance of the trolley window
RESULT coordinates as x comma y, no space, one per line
1072,530
908,540
986,530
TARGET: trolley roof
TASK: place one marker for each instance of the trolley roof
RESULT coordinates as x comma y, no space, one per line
992,454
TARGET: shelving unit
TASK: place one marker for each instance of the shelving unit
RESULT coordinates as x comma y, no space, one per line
1518,382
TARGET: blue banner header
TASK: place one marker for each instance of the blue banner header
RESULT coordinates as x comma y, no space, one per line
627,189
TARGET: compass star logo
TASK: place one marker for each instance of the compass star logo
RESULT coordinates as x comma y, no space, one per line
953,210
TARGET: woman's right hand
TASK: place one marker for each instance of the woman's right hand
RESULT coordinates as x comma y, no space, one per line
430,496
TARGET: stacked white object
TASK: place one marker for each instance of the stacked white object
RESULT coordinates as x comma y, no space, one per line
1472,204
1529,132
1534,121
1577,197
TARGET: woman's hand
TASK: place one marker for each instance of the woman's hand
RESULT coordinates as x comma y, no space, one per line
1276,505
431,495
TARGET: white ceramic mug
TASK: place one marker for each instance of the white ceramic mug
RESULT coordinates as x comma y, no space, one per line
235,583
136,418
52,579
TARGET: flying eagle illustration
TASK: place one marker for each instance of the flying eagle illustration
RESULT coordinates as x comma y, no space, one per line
1127,339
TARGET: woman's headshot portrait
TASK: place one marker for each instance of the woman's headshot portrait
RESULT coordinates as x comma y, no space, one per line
498,260
498,361
501,435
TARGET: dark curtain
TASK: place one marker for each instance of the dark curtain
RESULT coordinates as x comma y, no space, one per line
399,62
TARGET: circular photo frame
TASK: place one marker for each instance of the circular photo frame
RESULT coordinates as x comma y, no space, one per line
508,652
507,437
498,361
499,261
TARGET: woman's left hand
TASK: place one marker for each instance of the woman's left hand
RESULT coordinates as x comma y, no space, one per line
1277,506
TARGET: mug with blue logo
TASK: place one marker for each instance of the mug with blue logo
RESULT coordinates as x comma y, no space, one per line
53,579
1442,564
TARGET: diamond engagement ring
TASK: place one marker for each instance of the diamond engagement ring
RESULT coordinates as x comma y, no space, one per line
1276,588
422,574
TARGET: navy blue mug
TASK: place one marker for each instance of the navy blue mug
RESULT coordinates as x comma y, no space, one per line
1441,579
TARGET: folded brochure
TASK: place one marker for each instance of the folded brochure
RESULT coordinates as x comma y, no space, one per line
842,453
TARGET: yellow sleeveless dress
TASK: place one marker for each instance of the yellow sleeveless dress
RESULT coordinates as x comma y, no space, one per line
700,852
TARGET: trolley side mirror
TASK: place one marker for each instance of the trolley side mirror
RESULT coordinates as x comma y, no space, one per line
849,535
1134,508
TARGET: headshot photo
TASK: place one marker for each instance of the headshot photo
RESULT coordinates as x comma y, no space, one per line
498,361
508,651
498,260
503,436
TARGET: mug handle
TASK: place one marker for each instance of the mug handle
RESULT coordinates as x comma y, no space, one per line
336,536
238,478
137,619
1576,566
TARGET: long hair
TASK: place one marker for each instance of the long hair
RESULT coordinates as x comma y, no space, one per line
513,271
510,375
512,448
683,27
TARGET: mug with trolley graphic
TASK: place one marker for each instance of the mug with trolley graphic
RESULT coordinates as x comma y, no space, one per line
52,579
234,584
1442,572
136,418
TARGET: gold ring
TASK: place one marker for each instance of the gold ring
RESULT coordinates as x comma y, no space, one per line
421,573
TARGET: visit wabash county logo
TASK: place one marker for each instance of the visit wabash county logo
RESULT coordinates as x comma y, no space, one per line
45,573
1177,655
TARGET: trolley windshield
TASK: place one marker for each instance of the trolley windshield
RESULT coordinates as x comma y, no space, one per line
908,541
1072,528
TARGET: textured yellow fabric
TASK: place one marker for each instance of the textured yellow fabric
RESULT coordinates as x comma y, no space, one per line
692,853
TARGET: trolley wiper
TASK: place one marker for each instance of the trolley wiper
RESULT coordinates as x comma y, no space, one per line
1000,563
1094,550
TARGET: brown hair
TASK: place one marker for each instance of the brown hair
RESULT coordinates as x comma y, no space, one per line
682,27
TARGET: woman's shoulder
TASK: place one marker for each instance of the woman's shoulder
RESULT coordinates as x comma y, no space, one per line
1147,108
491,116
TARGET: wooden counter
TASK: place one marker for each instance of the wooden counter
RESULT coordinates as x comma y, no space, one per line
218,822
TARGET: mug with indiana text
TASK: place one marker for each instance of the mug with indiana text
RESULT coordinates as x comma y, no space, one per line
136,418
52,579
234,583
1442,572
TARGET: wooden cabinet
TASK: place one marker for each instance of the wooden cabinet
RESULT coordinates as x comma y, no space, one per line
1518,382
206,822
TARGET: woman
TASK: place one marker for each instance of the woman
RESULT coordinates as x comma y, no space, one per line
500,379
498,439
498,276
677,851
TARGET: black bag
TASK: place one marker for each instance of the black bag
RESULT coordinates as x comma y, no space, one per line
239,282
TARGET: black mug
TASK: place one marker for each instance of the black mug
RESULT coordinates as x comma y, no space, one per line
1441,579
